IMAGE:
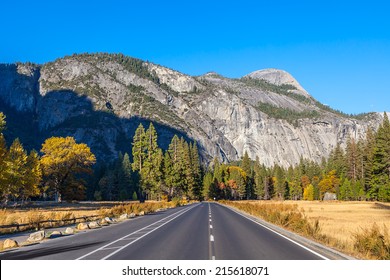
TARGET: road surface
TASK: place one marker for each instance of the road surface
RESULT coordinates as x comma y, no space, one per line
194,232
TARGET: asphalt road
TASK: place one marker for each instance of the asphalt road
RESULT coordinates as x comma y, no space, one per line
194,232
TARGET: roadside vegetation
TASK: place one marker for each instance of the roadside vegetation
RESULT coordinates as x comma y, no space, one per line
359,229
59,215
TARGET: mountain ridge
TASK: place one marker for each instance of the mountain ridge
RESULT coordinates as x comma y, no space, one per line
279,122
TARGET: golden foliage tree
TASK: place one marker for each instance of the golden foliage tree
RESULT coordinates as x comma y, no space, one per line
329,183
63,162
33,176
16,169
308,192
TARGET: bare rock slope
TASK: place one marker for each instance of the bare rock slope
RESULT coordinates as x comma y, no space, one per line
100,99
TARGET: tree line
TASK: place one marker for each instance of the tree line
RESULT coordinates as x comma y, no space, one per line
151,173
361,171
63,169
58,171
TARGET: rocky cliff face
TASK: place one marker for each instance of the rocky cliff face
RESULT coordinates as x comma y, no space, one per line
100,99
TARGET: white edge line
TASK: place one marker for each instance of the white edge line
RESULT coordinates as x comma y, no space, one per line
111,248
285,237
123,247
122,238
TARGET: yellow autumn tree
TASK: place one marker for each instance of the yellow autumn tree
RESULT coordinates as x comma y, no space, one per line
63,163
329,183
308,192
15,170
32,177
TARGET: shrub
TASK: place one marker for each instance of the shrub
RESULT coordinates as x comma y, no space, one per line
373,243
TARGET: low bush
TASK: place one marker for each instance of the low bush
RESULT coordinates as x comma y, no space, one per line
373,243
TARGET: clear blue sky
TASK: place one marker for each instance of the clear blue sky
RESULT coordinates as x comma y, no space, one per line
338,50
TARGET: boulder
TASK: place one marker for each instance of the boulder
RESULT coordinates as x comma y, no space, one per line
36,236
141,213
109,220
82,226
55,234
132,215
93,224
330,196
103,222
161,209
10,243
69,230
123,216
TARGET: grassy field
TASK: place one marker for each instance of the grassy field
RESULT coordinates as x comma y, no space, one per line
356,228
342,220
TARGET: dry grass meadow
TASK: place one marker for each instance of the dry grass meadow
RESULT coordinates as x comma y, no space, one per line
342,220
65,211
356,228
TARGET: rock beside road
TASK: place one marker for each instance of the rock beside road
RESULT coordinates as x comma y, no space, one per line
55,234
69,230
10,243
132,215
123,217
82,226
94,224
36,236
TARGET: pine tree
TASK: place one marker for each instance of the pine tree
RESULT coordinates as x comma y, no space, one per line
208,184
346,192
139,148
259,179
168,176
174,171
279,182
126,188
218,172
151,171
185,163
196,172
246,166
337,161
352,159
380,182
139,155
368,159
108,190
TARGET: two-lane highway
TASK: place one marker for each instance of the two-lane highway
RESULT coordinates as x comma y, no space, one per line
194,232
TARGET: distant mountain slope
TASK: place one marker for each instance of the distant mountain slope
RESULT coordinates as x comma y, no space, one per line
101,98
